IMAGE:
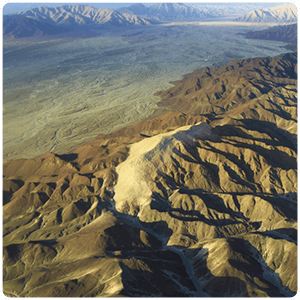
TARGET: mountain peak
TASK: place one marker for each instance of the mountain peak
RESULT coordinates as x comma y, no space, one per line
137,5
279,13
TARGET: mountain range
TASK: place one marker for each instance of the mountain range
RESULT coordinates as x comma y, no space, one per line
83,15
198,200
56,20
170,12
280,13
67,18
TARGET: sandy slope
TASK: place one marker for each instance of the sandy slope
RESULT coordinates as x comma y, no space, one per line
146,158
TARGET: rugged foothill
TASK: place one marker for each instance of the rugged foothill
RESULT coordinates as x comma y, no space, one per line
200,200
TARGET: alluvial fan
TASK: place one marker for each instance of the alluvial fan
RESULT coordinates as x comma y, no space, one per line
196,202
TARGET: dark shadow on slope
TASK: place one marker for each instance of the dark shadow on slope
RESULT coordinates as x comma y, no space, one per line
159,228
194,157
249,262
212,202
245,247
160,277
9,190
149,272
263,86
6,197
281,113
285,208
249,182
279,137
214,286
289,234
215,203
68,157
275,158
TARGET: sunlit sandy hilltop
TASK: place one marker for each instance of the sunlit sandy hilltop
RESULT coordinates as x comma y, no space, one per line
199,200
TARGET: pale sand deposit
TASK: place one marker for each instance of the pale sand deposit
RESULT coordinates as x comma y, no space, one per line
147,159
59,96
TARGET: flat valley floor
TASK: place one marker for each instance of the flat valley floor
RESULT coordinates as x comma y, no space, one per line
59,94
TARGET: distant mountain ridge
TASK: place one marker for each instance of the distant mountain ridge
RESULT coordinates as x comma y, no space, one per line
287,33
280,13
83,15
170,12
204,11
137,9
43,21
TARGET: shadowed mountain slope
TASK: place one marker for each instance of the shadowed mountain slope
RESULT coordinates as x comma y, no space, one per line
21,26
201,202
287,33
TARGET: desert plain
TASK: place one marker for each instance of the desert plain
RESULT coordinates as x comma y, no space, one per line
58,94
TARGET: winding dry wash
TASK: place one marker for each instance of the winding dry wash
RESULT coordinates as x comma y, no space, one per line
144,161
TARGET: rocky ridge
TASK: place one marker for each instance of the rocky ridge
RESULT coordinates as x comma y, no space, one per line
179,12
196,202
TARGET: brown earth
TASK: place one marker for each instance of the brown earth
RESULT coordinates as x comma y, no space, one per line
201,201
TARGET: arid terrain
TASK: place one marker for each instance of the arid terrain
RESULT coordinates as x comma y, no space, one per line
198,199
61,92
150,150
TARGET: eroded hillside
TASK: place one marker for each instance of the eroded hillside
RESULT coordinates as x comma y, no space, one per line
196,202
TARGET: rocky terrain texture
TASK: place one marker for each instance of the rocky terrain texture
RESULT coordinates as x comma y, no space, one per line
279,13
199,200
